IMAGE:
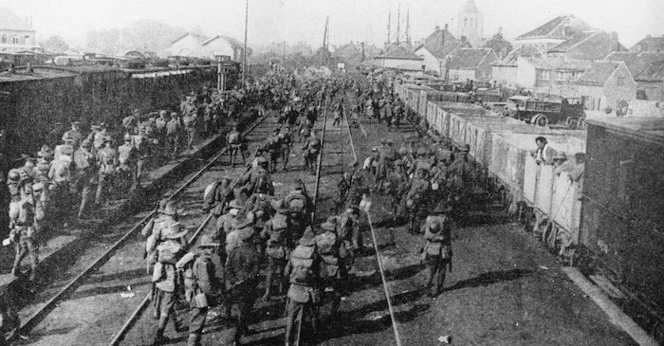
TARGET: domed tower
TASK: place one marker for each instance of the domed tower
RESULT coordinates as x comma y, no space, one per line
470,23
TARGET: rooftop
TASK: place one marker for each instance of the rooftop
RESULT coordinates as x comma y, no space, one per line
399,52
558,28
598,73
10,21
469,58
649,129
654,72
636,62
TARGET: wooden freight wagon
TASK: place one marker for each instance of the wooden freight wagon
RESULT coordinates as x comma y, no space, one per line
622,220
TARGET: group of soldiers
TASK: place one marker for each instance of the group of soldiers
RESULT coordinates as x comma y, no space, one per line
85,169
254,230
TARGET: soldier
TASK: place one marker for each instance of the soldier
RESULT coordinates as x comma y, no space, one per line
396,185
235,142
286,141
143,151
86,175
54,136
129,122
226,222
75,134
99,137
273,147
160,129
415,200
310,151
200,284
331,248
190,120
277,234
303,295
216,197
127,162
173,136
344,185
348,231
107,161
67,148
437,252
242,271
300,207
23,234
257,180
460,183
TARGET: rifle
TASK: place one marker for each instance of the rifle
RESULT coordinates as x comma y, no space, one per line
449,265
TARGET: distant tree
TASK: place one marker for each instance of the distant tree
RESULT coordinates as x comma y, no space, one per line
55,44
147,35
499,45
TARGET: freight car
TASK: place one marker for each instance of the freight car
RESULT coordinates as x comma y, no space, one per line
612,212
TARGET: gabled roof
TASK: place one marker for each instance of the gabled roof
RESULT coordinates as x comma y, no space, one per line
635,62
598,73
654,72
555,28
10,21
469,58
575,40
515,54
399,52
199,38
441,43
651,43
232,41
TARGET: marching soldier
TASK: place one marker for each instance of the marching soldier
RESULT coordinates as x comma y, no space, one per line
286,141
23,234
107,161
242,271
331,249
303,268
127,161
257,180
75,134
190,120
143,151
273,147
277,234
86,175
235,142
130,122
349,233
200,284
437,252
173,136
310,151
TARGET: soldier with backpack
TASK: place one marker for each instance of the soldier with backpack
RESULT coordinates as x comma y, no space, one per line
201,285
331,248
273,147
437,252
235,143
107,161
216,197
23,234
126,162
303,295
285,141
310,151
190,121
257,180
242,272
300,206
173,130
278,237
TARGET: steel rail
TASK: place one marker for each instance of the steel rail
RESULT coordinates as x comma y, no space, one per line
126,327
38,315
381,270
319,163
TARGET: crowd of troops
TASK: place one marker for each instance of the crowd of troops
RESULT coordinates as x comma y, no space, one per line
85,168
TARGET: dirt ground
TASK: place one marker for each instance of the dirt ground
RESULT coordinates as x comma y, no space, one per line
505,288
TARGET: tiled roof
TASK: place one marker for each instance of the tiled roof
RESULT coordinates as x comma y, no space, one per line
654,72
523,51
598,73
576,39
635,62
435,41
10,21
230,40
469,58
554,28
652,43
399,52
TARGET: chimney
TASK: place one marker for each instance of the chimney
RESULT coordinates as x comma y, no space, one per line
445,26
437,28
648,36
614,41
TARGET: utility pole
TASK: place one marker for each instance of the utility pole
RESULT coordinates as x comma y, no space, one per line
398,20
326,42
244,55
389,20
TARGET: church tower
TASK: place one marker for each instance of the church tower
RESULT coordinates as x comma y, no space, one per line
470,23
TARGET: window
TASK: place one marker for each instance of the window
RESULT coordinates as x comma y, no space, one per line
465,22
620,81
15,40
4,38
543,75
560,76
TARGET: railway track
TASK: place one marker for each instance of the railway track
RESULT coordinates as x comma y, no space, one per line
56,295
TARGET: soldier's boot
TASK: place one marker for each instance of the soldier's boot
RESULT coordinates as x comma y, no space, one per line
16,269
268,286
233,159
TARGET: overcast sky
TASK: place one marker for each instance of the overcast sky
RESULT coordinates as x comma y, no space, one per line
350,20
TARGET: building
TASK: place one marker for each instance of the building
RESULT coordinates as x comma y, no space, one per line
187,45
15,34
431,62
649,44
587,45
471,64
553,33
470,23
223,45
647,86
650,82
606,84
400,58
504,72
441,42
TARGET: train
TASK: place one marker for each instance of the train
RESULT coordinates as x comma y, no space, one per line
610,219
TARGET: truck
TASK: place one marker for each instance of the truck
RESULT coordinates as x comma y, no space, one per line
548,111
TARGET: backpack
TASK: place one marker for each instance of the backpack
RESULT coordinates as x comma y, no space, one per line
302,260
325,243
234,137
210,195
296,202
168,251
172,127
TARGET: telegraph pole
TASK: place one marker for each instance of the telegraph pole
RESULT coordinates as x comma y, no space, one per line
244,55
